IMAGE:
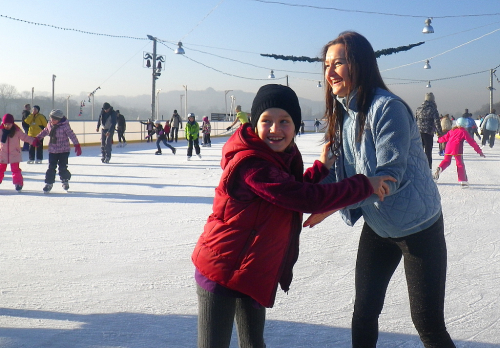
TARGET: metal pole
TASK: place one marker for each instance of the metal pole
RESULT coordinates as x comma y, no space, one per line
158,103
185,100
287,80
491,89
53,82
225,100
92,106
153,102
182,95
67,107
32,94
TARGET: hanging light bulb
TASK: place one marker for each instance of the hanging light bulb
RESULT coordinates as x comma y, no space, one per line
428,29
271,75
148,63
427,65
179,49
319,84
428,85
159,65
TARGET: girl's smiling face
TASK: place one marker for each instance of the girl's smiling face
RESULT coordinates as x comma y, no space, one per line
8,126
337,70
276,128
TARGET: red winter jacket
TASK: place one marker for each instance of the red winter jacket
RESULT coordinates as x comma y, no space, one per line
251,240
454,140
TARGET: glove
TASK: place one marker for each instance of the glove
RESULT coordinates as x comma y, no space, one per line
35,142
78,149
482,155
228,128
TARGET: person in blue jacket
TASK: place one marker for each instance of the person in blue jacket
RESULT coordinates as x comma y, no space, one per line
374,132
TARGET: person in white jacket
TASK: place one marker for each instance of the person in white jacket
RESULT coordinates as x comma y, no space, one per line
490,126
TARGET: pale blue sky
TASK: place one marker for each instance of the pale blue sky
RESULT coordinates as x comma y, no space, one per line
240,30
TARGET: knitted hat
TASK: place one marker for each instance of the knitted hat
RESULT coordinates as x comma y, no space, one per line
205,118
7,118
276,96
56,114
106,106
429,96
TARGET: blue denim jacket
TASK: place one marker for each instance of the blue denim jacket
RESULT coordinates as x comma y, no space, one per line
390,145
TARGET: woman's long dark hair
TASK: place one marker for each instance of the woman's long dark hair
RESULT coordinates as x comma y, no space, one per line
365,78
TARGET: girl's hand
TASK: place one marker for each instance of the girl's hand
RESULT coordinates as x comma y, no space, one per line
482,155
380,188
315,219
326,157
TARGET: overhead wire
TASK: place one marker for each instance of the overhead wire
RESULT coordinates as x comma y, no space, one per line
372,12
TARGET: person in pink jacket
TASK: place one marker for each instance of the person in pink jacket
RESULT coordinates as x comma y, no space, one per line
10,149
59,131
454,140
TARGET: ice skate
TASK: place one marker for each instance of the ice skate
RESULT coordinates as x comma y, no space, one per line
30,161
65,185
158,153
189,158
19,188
38,161
464,184
199,156
174,150
437,173
47,188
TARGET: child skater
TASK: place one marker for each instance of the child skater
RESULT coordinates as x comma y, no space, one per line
454,140
60,132
10,150
251,240
166,129
205,130
192,135
161,136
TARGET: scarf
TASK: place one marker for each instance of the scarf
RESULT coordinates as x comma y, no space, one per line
52,134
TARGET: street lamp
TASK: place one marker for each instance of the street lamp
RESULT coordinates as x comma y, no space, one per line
428,29
158,103
225,100
156,70
91,94
271,75
53,80
427,65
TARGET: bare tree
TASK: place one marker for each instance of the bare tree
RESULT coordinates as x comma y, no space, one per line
7,95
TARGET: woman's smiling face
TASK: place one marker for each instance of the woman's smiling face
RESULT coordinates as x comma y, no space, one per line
337,70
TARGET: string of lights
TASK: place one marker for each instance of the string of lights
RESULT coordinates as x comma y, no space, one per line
76,30
433,80
373,12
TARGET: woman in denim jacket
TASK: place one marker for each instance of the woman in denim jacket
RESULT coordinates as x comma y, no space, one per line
375,133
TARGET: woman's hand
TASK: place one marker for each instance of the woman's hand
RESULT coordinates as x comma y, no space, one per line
327,157
315,219
380,187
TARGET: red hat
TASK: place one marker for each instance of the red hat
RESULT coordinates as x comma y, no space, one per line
7,118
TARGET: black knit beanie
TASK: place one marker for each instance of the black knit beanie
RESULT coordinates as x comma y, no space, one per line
276,96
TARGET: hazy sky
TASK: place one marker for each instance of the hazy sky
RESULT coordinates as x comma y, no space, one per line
223,41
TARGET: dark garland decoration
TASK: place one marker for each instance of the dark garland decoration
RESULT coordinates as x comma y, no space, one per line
383,52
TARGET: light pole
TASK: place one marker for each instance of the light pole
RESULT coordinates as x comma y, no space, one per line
491,89
91,94
182,95
53,82
67,107
185,99
156,71
225,100
158,103
32,94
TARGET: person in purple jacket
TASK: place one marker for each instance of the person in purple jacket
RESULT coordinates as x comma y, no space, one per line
60,132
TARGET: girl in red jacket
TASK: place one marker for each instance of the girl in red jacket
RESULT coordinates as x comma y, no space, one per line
251,240
454,140
10,149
